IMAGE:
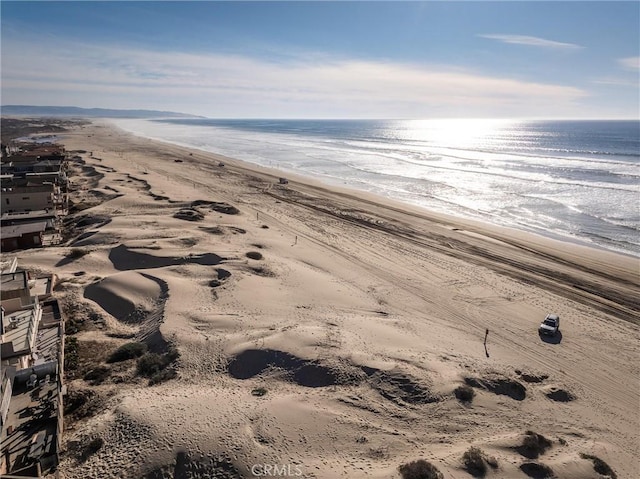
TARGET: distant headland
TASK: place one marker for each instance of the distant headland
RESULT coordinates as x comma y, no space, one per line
73,111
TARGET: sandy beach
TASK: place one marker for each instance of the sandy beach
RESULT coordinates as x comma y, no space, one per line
326,330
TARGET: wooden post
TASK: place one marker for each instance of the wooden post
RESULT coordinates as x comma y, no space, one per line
486,334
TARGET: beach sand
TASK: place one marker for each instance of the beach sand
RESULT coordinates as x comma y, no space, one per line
336,350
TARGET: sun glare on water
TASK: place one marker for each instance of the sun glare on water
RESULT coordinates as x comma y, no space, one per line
457,133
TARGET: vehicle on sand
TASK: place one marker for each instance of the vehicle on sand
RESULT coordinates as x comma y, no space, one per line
550,326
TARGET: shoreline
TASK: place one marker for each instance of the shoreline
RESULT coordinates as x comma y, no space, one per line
382,198
592,258
325,329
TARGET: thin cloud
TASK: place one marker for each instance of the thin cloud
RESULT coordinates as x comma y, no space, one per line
612,81
238,85
630,63
531,41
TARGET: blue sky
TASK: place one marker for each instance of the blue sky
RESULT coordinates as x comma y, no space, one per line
327,59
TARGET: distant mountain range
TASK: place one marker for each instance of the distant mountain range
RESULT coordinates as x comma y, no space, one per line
73,111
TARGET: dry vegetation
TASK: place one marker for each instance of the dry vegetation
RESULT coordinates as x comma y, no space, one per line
420,469
475,462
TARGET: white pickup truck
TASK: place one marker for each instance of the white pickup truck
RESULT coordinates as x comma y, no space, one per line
550,326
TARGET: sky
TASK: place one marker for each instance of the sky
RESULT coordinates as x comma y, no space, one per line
438,59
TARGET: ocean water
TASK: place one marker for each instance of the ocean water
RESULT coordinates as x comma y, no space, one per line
573,180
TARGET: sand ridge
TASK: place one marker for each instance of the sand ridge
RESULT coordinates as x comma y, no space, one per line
339,346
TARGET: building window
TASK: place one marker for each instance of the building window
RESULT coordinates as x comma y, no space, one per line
7,200
25,197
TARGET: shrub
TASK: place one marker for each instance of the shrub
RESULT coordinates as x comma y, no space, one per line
420,469
474,462
162,376
254,255
262,271
464,393
150,364
534,445
97,375
155,366
95,445
72,326
189,214
600,466
76,253
492,461
127,351
92,447
259,392
75,399
172,354
71,356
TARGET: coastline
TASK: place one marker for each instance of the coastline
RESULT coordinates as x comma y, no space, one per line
564,251
386,303
600,239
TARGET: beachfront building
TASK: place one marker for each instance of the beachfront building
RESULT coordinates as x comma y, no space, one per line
34,190
32,359
19,332
29,154
14,291
18,289
33,389
10,179
30,212
23,236
19,199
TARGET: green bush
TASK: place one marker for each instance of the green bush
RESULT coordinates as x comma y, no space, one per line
127,351
420,469
254,255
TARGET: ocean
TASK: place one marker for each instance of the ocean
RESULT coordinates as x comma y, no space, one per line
570,180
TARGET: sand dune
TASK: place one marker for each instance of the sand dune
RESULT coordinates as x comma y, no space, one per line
328,330
124,294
